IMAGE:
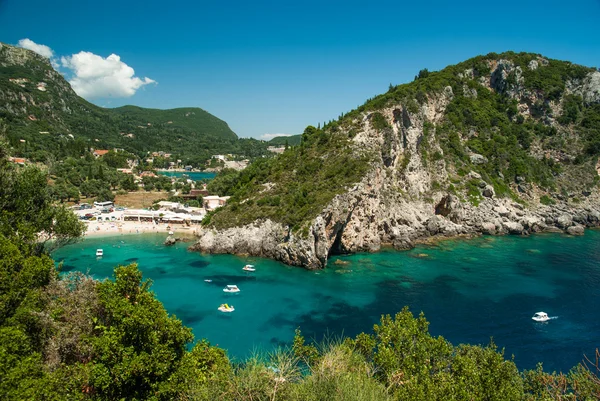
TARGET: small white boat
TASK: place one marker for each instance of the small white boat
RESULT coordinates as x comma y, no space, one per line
170,232
208,280
99,253
226,308
231,288
540,317
249,268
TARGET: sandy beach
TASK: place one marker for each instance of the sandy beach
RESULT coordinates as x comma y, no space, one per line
106,228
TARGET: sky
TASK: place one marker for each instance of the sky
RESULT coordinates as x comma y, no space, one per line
273,67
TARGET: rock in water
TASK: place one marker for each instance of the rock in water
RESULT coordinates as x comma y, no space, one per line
170,240
576,230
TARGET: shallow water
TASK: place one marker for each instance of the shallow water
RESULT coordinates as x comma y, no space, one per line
193,175
470,291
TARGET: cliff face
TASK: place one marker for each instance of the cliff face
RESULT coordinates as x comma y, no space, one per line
426,179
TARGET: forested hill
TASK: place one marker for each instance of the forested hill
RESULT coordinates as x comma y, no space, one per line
283,140
482,146
43,115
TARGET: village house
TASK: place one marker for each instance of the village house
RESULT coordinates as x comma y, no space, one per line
161,153
213,202
276,149
99,152
18,160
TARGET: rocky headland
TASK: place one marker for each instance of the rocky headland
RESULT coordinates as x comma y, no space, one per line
425,184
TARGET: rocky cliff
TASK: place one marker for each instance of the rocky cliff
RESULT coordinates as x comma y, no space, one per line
502,144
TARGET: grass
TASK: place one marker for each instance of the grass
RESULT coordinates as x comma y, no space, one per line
139,199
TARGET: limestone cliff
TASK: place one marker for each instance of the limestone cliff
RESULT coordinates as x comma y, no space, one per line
444,162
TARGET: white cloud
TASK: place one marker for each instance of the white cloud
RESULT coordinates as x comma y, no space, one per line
93,76
96,77
42,50
268,137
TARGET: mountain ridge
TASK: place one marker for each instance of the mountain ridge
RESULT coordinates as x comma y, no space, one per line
39,106
502,143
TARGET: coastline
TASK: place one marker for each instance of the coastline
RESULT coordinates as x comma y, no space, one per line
116,228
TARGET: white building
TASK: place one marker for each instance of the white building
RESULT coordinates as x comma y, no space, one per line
212,202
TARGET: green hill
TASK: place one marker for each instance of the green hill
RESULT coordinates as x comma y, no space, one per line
43,116
528,126
282,140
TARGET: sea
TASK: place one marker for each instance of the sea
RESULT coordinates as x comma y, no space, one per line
193,175
471,291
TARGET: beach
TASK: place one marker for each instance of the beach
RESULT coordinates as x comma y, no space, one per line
118,227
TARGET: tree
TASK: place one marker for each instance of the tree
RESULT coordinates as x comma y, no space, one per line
105,195
424,73
139,346
128,184
27,210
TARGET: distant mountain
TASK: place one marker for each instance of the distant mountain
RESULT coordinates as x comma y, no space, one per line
502,143
43,115
292,140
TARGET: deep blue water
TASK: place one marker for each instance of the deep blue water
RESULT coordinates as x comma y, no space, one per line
470,291
195,176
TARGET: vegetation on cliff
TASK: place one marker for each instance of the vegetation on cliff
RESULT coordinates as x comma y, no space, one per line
523,123
293,187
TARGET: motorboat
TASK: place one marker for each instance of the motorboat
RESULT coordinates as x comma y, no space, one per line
249,268
226,308
99,253
540,317
208,280
231,288
170,232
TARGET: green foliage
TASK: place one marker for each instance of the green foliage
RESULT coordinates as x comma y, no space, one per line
293,187
410,364
473,193
292,140
138,344
546,200
27,209
572,106
378,121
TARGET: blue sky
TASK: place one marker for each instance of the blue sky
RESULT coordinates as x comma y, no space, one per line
276,67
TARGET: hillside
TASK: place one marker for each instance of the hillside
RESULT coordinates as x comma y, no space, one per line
282,140
43,116
502,143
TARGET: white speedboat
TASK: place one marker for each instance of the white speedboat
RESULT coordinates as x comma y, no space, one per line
231,288
249,268
540,317
208,280
99,253
226,308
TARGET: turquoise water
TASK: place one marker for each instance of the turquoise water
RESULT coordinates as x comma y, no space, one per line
470,291
195,176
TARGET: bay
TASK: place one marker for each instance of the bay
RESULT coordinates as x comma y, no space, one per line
193,175
470,291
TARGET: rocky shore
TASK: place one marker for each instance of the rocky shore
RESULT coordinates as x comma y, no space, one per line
407,197
360,221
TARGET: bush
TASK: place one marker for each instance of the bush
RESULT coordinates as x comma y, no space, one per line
546,200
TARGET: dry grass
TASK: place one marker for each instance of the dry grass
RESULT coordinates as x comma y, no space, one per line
139,199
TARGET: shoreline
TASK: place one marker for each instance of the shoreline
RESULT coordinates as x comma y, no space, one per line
118,228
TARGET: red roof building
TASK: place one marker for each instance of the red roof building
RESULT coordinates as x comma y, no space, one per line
100,152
